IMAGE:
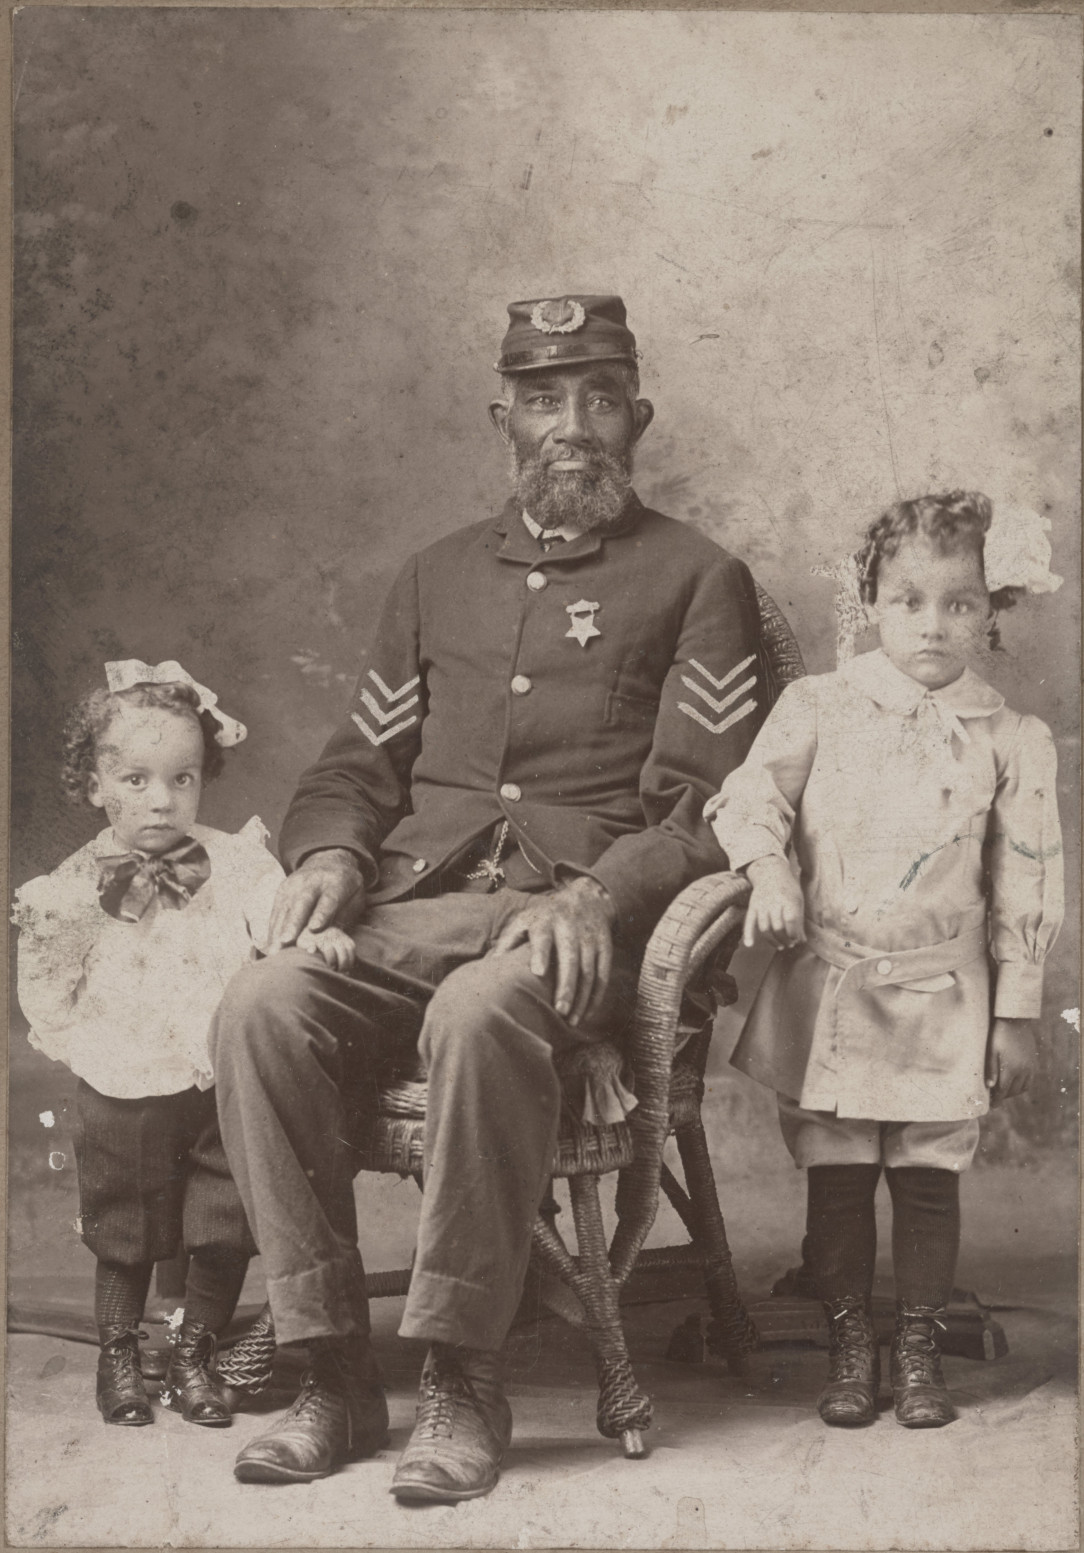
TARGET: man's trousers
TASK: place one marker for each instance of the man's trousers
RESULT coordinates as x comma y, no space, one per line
298,1047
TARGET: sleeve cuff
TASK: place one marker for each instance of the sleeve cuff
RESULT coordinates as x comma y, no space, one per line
749,844
1019,993
295,852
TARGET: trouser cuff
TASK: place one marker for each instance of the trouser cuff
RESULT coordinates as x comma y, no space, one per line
450,1310
324,1301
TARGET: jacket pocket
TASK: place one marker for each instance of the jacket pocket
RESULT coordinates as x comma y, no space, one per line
625,711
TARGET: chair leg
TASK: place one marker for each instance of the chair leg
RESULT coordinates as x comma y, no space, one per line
246,1366
624,1411
733,1332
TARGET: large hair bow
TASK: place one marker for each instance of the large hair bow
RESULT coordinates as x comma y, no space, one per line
130,672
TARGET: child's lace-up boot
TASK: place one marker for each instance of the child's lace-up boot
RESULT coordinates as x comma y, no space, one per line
849,1398
191,1386
918,1388
120,1393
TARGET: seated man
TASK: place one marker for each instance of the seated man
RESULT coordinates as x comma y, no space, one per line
512,803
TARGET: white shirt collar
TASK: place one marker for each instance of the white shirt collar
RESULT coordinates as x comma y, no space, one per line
875,675
544,534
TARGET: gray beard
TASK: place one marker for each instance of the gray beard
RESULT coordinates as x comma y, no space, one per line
591,499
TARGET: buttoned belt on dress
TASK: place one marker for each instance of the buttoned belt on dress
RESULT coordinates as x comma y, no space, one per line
927,969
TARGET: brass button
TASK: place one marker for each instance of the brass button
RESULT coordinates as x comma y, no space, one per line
520,685
419,865
511,791
536,581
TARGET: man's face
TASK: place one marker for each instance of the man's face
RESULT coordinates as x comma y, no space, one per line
572,431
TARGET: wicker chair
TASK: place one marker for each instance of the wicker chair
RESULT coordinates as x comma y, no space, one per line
683,980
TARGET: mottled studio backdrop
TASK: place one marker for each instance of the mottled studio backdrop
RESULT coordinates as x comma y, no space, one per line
262,263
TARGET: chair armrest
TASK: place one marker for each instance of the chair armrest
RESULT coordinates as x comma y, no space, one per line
693,926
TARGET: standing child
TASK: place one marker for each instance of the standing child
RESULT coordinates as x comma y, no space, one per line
924,821
124,951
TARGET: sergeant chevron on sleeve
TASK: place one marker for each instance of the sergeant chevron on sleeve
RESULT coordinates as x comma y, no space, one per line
512,801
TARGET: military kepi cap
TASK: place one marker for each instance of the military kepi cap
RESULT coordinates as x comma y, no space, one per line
561,331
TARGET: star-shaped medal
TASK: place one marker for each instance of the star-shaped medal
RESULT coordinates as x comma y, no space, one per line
583,626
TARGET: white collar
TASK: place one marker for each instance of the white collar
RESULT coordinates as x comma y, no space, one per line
878,677
547,534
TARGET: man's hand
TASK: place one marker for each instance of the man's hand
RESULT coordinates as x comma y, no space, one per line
575,923
776,909
1011,1056
327,888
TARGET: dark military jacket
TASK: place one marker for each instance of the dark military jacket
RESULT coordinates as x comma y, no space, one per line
594,694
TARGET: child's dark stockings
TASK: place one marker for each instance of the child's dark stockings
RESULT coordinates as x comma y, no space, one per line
841,1228
120,1292
925,1233
215,1276
842,1231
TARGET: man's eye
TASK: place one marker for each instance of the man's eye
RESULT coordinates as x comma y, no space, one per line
602,403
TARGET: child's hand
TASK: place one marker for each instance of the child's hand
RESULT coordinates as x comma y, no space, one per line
332,945
776,909
1011,1056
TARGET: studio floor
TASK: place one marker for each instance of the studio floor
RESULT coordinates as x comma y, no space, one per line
734,1463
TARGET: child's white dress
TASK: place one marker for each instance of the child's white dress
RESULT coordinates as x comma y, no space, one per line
127,1005
925,824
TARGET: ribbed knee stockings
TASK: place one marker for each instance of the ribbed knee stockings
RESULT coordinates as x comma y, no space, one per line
212,1291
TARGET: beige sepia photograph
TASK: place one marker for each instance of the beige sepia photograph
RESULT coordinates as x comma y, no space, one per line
544,849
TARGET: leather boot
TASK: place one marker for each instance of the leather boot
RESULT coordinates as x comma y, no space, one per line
340,1415
462,1428
120,1392
918,1387
191,1386
849,1399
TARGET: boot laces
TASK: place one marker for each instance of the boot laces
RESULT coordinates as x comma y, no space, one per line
918,1358
850,1343
118,1335
195,1349
442,1392
123,1348
314,1400
127,1369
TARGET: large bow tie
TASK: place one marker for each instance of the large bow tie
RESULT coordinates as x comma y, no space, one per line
129,882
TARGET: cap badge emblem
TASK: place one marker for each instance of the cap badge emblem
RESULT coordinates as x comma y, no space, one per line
562,316
582,615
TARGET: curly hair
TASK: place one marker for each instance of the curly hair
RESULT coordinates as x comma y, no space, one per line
954,521
91,717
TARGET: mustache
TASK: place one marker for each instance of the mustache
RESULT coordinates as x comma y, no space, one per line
596,464
589,456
